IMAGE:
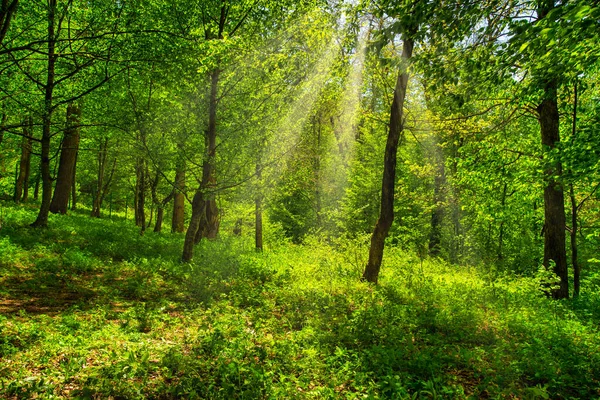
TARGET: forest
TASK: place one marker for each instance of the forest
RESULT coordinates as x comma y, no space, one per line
300,199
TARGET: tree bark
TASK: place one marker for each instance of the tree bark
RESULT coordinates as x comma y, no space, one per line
68,157
22,182
74,185
7,11
386,216
140,195
198,204
102,155
42,217
178,220
554,201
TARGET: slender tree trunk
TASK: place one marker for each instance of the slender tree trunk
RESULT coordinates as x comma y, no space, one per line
22,182
42,218
554,201
178,220
386,216
258,219
68,157
140,195
36,190
159,218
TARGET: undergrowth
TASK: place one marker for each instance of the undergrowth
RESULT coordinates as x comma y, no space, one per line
91,309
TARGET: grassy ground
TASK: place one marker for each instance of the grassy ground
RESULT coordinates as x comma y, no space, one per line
91,309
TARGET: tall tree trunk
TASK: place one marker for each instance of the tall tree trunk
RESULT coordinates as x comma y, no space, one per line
74,185
7,10
211,228
42,217
386,216
22,182
68,157
437,214
258,220
36,190
178,220
554,201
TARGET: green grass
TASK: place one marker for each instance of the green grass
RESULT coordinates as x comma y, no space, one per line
91,309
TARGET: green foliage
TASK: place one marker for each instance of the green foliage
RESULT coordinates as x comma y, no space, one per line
292,322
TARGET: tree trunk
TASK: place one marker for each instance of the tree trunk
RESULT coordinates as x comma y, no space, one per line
140,195
68,157
36,190
22,182
437,214
198,205
211,221
74,185
258,220
159,218
7,10
554,201
178,221
386,216
42,218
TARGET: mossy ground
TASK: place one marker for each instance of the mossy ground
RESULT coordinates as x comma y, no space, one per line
91,309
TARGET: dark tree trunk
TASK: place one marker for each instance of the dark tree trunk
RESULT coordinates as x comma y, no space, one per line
204,206
178,221
210,224
36,190
74,185
68,157
7,10
386,216
22,182
159,219
554,201
198,205
42,218
140,195
258,220
437,214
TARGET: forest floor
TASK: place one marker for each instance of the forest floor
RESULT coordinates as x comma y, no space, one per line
91,309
